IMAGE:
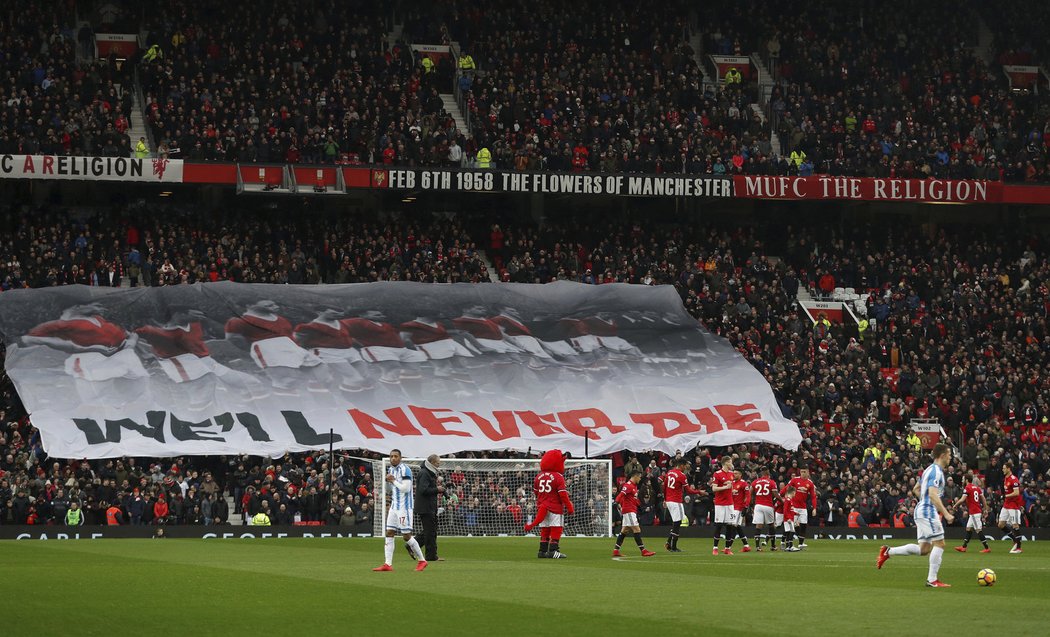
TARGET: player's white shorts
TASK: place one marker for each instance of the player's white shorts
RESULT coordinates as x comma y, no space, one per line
497,346
282,351
929,530
616,344
801,516
95,366
723,514
738,517
630,519
1010,516
187,367
587,343
975,522
778,519
676,510
559,348
399,520
381,354
337,354
763,515
789,525
552,519
530,344
445,348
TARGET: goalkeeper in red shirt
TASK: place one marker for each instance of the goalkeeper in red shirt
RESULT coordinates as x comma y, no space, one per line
552,504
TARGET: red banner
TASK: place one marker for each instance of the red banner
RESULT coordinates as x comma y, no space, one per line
824,187
928,433
309,176
125,45
741,63
1021,76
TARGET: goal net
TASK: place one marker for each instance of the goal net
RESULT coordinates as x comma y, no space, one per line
494,497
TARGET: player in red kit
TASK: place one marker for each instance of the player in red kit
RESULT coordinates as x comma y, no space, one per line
805,498
722,486
552,501
764,490
973,495
790,515
676,485
627,498
97,354
741,498
1010,514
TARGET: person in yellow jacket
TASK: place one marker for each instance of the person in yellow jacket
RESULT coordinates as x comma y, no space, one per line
873,452
914,441
466,62
862,327
153,53
797,157
484,158
261,519
428,64
822,327
141,149
733,76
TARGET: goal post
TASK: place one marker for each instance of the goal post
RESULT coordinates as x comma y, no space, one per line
494,497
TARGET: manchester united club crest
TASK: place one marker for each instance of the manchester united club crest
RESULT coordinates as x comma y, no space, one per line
379,179
159,166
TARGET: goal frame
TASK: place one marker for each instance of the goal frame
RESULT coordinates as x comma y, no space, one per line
380,508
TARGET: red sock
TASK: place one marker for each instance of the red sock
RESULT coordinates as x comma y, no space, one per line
545,534
555,533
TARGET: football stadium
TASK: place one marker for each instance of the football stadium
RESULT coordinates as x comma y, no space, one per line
588,318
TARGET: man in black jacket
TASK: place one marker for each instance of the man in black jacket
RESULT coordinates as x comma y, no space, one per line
427,491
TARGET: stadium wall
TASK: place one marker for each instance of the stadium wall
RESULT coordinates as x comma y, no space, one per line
320,532
344,180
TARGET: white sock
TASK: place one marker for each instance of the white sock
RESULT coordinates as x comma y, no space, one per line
907,549
935,563
414,547
388,550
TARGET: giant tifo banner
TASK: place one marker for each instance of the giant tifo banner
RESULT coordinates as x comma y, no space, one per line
227,368
93,168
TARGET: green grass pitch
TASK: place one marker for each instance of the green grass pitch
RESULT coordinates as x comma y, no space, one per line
496,586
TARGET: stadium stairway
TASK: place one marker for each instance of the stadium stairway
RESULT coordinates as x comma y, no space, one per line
765,78
985,48
394,36
137,121
696,42
236,519
489,267
448,101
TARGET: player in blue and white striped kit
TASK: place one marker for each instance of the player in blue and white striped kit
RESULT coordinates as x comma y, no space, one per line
929,490
399,516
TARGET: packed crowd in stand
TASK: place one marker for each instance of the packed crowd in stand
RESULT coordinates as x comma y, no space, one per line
604,88
51,103
318,84
863,89
898,89
956,330
1019,34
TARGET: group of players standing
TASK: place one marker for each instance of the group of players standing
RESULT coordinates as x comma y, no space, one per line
788,506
